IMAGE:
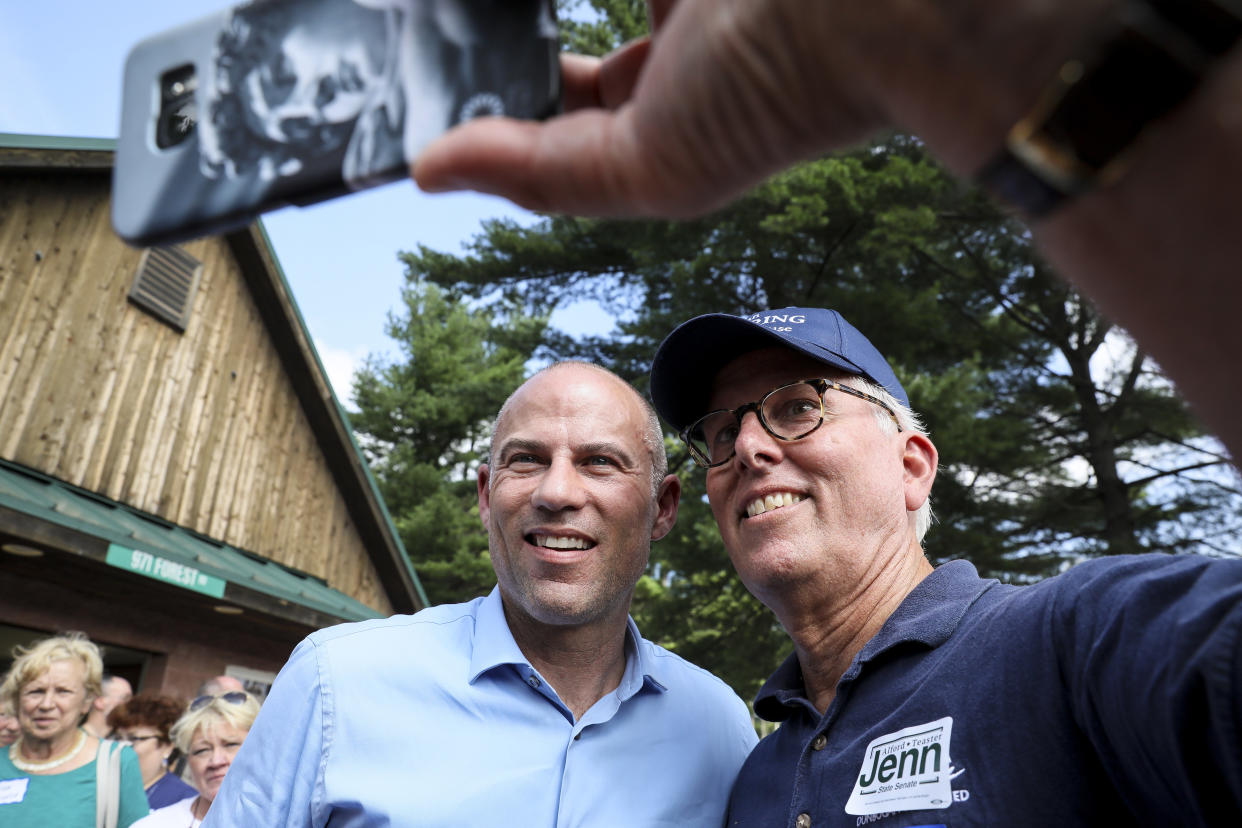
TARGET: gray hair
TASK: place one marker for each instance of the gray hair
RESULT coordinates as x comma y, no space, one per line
909,420
653,434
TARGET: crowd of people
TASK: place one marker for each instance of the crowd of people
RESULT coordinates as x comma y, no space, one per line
77,748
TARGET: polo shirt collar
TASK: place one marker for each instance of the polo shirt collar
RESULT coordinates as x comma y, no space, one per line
494,646
929,615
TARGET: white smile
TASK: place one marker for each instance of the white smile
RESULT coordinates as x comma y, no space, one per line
559,542
769,502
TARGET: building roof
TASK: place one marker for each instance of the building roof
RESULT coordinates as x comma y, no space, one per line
145,544
266,280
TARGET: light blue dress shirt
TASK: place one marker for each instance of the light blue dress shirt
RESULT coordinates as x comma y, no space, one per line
437,719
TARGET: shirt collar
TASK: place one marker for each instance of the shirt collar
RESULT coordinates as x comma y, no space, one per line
494,647
928,615
493,642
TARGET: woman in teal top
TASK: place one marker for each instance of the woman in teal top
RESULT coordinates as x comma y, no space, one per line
48,776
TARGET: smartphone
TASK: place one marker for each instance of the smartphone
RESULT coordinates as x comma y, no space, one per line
277,102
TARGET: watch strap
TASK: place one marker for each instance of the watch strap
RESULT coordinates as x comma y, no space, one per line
1075,136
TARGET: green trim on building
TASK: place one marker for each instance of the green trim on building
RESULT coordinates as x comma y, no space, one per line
152,547
17,140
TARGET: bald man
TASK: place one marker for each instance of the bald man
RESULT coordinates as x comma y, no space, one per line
537,705
115,691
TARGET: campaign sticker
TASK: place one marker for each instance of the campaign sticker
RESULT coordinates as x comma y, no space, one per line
905,771
13,791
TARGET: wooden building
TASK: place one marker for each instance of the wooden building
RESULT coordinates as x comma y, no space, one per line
177,479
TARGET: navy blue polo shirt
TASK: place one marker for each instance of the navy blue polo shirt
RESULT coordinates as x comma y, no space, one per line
1110,694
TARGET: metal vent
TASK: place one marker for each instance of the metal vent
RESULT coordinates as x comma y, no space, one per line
165,285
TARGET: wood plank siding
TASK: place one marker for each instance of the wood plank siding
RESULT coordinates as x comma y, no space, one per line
203,429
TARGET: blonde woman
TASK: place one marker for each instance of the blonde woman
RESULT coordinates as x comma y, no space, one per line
48,777
209,734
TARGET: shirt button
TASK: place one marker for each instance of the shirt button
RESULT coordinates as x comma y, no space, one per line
533,681
819,742
803,821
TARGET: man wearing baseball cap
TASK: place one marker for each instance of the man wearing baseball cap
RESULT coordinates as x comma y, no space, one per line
1109,694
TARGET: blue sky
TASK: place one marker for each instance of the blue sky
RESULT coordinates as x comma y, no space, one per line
61,63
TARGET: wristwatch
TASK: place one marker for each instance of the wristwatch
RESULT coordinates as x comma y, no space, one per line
1075,136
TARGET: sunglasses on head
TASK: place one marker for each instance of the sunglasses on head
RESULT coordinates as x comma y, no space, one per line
232,697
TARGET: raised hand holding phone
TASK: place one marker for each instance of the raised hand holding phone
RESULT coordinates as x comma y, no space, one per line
295,101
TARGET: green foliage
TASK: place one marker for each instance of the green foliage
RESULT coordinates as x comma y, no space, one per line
596,27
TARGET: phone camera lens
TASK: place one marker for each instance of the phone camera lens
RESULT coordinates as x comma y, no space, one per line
178,113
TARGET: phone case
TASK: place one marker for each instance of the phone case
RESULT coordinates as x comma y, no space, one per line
278,102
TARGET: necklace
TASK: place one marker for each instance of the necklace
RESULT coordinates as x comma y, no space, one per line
35,767
195,819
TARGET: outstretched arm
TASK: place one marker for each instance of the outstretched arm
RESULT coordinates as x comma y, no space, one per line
727,92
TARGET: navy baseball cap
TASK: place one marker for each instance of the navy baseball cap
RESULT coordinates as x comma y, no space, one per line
687,361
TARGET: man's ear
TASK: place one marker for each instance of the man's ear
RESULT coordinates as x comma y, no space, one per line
485,503
667,499
920,460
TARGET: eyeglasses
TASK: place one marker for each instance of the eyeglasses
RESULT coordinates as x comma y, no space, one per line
788,413
232,697
133,740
